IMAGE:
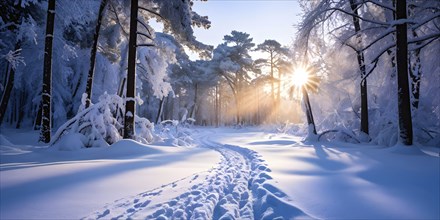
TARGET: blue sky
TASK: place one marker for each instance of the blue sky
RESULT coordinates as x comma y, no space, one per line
262,19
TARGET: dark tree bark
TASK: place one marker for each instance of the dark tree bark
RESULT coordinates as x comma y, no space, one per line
47,75
121,87
37,123
160,110
405,121
361,63
93,53
7,92
390,52
131,73
309,113
22,98
9,85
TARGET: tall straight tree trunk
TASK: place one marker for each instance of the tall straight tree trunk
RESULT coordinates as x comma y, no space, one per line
37,123
93,53
272,87
309,113
237,103
278,102
390,52
7,92
405,121
121,87
219,105
131,73
160,110
10,77
361,63
194,107
22,98
216,105
46,95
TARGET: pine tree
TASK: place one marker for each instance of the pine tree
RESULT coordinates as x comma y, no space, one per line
276,55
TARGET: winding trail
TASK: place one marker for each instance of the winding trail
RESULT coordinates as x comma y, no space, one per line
237,188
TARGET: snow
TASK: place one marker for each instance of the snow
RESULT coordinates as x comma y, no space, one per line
245,173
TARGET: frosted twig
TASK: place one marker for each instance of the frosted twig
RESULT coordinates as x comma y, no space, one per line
14,58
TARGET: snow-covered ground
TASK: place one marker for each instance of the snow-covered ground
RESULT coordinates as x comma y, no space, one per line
233,173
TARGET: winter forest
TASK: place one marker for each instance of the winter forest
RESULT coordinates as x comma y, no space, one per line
115,109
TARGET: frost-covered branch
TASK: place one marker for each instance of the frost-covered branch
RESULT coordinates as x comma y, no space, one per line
113,9
145,35
428,39
357,16
151,11
426,20
14,58
144,25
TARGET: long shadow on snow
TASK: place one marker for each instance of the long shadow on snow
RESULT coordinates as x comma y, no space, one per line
44,185
276,142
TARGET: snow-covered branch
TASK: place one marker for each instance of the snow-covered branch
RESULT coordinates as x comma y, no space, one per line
14,58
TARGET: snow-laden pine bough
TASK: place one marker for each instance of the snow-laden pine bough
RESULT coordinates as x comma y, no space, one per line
101,124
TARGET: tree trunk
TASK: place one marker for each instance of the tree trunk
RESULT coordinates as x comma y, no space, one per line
46,95
21,109
216,106
272,87
131,73
160,110
309,113
219,105
7,92
390,52
361,63
37,124
237,102
121,87
405,121
93,53
278,100
194,107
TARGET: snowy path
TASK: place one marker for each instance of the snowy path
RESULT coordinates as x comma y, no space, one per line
237,188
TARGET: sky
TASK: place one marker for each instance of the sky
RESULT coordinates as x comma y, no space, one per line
262,19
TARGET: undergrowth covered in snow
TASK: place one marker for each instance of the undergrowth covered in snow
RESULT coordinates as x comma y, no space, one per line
101,124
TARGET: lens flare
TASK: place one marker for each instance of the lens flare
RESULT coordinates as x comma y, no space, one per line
300,77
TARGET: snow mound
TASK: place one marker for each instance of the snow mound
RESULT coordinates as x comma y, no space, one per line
131,147
102,124
4,141
7,148
71,142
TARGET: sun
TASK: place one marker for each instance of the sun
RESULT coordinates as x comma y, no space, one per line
300,77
